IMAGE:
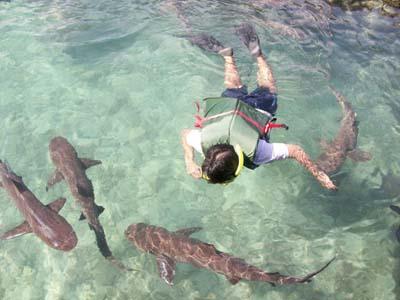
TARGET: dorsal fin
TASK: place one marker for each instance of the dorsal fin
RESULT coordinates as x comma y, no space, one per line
87,162
188,231
57,204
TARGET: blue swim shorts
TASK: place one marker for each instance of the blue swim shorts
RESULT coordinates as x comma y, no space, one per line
260,98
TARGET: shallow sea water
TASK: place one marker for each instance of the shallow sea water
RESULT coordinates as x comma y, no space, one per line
119,81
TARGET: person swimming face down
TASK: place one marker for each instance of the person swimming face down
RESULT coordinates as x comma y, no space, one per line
222,163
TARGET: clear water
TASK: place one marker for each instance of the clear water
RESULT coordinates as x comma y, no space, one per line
119,82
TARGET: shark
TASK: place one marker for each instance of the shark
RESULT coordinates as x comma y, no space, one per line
345,142
42,220
172,247
397,210
72,169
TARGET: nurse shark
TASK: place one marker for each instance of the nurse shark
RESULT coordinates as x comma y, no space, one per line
44,221
172,247
72,169
345,142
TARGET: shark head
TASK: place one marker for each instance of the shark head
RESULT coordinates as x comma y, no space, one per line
135,230
136,233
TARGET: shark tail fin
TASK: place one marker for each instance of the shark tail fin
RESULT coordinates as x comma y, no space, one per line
277,278
105,250
308,277
340,98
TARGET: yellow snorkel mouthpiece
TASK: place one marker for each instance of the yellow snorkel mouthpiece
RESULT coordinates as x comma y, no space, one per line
204,176
239,153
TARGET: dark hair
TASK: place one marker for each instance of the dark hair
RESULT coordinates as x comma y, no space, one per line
220,163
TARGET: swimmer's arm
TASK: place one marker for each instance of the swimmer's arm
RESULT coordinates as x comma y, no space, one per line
191,167
298,154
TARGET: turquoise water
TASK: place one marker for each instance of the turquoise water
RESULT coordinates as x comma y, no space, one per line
119,82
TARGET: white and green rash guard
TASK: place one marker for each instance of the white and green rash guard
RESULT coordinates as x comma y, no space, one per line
265,152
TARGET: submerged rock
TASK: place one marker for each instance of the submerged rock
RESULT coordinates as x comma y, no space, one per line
394,3
360,4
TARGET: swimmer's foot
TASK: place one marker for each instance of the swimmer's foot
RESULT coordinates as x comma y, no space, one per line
209,43
249,37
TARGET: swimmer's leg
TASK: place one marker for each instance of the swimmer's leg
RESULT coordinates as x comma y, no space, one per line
249,37
265,78
231,74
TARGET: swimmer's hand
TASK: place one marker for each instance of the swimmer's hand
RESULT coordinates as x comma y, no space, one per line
191,167
194,170
301,157
326,182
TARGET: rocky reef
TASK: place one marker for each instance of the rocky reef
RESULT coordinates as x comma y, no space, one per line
388,7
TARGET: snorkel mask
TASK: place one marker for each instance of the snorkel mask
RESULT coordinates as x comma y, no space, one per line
239,153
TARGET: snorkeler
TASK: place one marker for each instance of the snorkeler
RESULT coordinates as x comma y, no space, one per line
234,130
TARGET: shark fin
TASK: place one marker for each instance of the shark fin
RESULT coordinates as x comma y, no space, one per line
21,229
397,233
188,231
377,171
282,279
54,178
99,210
87,162
395,208
57,204
25,228
308,277
359,155
233,280
166,268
